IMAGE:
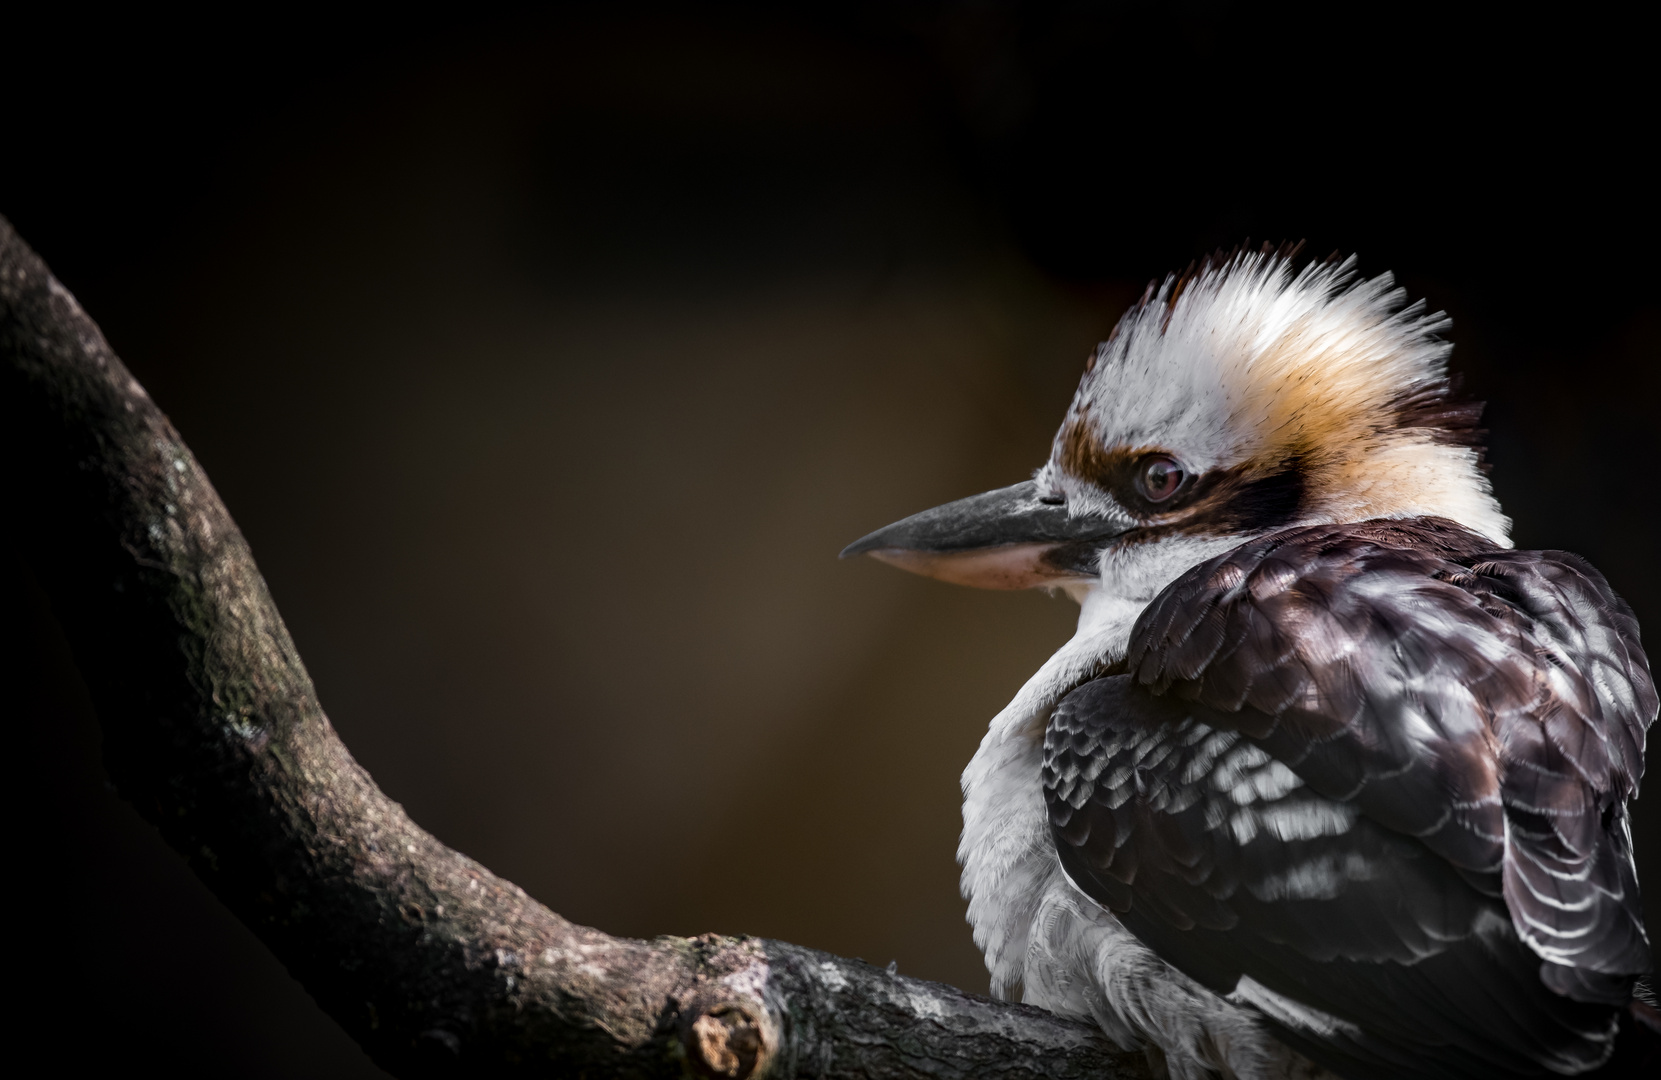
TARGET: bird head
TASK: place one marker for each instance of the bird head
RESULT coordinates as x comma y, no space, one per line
1240,398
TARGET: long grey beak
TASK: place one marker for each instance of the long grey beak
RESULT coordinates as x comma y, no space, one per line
1003,539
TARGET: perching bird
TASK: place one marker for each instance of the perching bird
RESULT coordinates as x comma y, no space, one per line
1330,776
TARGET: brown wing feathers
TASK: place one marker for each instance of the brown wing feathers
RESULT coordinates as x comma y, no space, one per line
1479,714
1451,691
1205,852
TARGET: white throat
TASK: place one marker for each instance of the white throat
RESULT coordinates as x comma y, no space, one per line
1103,633
1008,862
1043,939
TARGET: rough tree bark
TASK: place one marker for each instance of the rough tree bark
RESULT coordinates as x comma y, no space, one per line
431,962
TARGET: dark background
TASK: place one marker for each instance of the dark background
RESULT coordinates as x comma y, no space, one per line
547,360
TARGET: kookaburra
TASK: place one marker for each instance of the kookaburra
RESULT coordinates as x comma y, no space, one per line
1330,777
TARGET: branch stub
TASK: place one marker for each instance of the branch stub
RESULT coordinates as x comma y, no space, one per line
726,1041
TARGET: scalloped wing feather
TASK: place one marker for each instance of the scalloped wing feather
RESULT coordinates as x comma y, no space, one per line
1381,770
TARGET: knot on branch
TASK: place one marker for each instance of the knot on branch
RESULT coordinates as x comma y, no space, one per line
727,1040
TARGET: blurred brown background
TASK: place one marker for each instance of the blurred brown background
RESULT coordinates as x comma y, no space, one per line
548,359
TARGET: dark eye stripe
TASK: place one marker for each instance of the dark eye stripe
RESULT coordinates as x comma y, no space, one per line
1230,502
1243,499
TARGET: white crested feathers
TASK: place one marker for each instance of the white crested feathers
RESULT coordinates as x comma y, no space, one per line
1247,365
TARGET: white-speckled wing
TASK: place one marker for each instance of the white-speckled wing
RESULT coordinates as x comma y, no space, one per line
1371,781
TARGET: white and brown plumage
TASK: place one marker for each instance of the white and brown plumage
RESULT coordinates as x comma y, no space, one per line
1329,777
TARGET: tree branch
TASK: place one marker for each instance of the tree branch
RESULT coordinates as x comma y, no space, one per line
431,962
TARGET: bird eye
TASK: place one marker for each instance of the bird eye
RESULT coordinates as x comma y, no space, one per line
1160,477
